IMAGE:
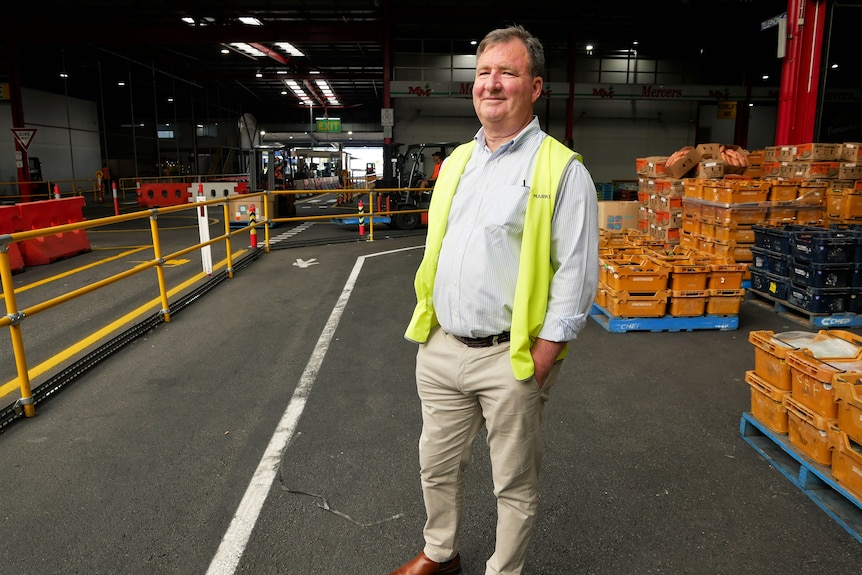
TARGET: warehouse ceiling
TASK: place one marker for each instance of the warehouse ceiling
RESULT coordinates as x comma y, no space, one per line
86,48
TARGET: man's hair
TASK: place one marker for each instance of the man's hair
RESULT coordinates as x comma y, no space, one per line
438,154
503,35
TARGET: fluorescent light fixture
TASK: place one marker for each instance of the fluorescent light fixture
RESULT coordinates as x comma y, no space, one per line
290,49
258,74
247,49
250,20
188,20
64,75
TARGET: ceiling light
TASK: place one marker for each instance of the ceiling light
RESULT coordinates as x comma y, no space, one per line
834,66
247,49
250,20
290,49
258,74
188,20
64,75
765,77
225,51
121,83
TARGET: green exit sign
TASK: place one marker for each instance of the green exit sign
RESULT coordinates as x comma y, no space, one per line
328,124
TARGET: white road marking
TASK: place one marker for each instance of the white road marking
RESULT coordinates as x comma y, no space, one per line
236,538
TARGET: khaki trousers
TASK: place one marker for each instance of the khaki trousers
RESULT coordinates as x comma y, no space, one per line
460,387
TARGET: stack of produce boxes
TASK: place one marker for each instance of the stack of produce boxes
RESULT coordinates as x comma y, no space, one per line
640,277
807,386
660,193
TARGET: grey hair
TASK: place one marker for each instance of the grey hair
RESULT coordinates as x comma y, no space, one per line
517,32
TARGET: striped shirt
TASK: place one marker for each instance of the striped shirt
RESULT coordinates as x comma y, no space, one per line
474,288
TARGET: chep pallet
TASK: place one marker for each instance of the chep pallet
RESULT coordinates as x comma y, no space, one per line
813,479
803,316
616,324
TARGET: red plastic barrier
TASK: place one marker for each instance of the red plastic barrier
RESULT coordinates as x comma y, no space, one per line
47,213
159,195
8,215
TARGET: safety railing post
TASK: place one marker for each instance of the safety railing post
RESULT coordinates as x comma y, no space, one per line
26,400
228,253
266,216
160,269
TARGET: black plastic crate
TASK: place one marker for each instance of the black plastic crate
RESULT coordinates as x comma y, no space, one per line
823,246
776,238
853,304
770,261
769,284
811,274
817,300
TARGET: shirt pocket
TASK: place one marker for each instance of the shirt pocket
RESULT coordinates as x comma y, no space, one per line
505,208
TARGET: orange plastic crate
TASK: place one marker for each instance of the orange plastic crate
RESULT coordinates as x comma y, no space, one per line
625,304
687,303
724,301
811,380
770,358
847,464
848,396
767,402
637,275
689,275
726,276
813,434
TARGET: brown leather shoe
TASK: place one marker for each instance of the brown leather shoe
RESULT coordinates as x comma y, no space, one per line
421,565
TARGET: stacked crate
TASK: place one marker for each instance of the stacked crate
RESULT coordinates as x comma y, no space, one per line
808,386
639,277
660,194
809,267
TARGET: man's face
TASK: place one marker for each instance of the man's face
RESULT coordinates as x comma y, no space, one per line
504,91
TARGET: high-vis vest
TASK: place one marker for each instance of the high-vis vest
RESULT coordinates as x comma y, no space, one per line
535,269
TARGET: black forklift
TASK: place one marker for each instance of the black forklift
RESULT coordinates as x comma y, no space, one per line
407,173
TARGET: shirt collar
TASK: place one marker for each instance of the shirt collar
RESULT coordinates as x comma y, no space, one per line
515,142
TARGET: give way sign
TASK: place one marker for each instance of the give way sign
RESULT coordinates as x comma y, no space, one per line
24,136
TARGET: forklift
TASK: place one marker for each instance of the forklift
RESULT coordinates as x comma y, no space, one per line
407,173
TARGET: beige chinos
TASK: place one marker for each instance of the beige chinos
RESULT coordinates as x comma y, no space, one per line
460,387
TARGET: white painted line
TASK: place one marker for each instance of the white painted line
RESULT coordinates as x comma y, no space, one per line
235,540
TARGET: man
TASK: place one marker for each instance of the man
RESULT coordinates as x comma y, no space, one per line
438,161
509,273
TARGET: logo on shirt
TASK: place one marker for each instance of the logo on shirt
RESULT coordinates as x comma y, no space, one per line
542,196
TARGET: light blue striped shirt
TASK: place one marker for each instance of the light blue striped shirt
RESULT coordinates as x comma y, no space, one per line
474,288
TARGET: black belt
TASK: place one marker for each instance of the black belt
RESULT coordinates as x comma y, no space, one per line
483,341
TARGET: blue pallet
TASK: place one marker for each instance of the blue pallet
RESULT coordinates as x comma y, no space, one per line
813,479
615,324
803,316
354,220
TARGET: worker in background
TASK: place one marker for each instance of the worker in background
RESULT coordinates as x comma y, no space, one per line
508,275
438,161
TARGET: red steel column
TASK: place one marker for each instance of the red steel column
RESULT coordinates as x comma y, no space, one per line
800,72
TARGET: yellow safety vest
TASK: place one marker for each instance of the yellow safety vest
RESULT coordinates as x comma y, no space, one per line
535,269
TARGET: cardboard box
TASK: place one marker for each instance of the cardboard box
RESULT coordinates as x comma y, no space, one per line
811,170
651,166
618,215
849,171
239,208
849,152
684,165
816,152
710,169
709,151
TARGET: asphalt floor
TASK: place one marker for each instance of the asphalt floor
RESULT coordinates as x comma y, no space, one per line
272,428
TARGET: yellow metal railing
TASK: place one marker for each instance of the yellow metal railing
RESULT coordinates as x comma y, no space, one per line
14,316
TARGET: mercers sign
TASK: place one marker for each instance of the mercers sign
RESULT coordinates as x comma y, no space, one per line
558,90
